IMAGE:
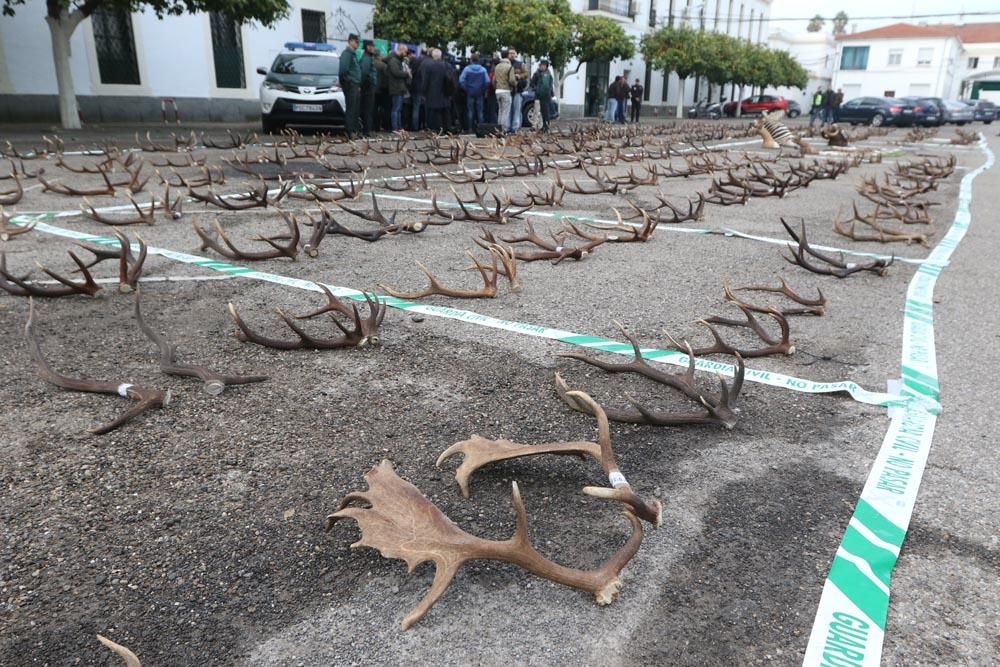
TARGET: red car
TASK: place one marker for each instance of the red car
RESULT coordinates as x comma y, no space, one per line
757,104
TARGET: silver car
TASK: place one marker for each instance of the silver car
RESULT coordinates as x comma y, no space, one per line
958,113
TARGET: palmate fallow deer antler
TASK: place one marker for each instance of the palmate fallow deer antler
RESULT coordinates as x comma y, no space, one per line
478,452
402,523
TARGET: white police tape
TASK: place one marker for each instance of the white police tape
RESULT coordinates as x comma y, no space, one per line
849,628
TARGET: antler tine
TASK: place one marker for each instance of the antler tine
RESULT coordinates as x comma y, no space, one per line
129,267
89,287
9,230
782,345
819,302
215,383
639,365
488,290
147,398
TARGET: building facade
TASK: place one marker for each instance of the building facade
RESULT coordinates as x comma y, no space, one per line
816,52
744,19
899,60
128,66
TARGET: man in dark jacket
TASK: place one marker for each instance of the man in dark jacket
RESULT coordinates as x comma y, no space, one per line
621,95
838,100
350,83
541,83
436,83
417,90
369,86
399,76
382,102
828,100
635,92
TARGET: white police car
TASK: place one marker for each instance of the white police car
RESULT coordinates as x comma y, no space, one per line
302,88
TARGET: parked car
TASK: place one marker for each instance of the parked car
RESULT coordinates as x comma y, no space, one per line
758,104
705,109
794,110
302,87
531,116
957,112
877,111
983,110
927,110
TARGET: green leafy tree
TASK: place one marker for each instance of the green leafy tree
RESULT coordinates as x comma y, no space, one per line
816,23
63,17
677,49
595,39
840,22
434,23
789,71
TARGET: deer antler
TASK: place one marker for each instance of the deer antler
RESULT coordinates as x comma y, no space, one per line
720,411
290,249
478,452
815,306
9,230
487,291
11,197
364,333
19,286
552,250
834,266
147,398
131,659
880,233
773,346
215,383
145,217
401,523
631,233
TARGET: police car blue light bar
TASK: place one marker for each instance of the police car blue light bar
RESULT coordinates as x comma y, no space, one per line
308,46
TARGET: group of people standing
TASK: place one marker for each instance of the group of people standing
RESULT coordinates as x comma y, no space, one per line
826,106
620,97
424,90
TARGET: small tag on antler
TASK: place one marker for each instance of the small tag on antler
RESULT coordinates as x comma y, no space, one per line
617,479
123,389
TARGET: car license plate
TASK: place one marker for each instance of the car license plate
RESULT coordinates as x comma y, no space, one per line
309,108
907,110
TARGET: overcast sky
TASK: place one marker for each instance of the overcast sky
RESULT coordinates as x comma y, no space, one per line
859,10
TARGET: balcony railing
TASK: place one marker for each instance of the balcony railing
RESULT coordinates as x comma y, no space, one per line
617,7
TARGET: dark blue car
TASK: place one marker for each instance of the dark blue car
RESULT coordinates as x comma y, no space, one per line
877,111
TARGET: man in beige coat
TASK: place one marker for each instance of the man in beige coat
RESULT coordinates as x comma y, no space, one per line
504,81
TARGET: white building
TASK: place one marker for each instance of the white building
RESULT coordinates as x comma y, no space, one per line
931,60
816,52
124,64
745,19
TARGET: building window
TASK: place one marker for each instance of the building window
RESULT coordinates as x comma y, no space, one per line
896,57
652,17
924,56
115,46
888,93
313,26
854,57
973,63
227,51
617,7
996,62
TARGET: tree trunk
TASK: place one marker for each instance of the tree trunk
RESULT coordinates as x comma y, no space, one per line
680,98
739,103
61,29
